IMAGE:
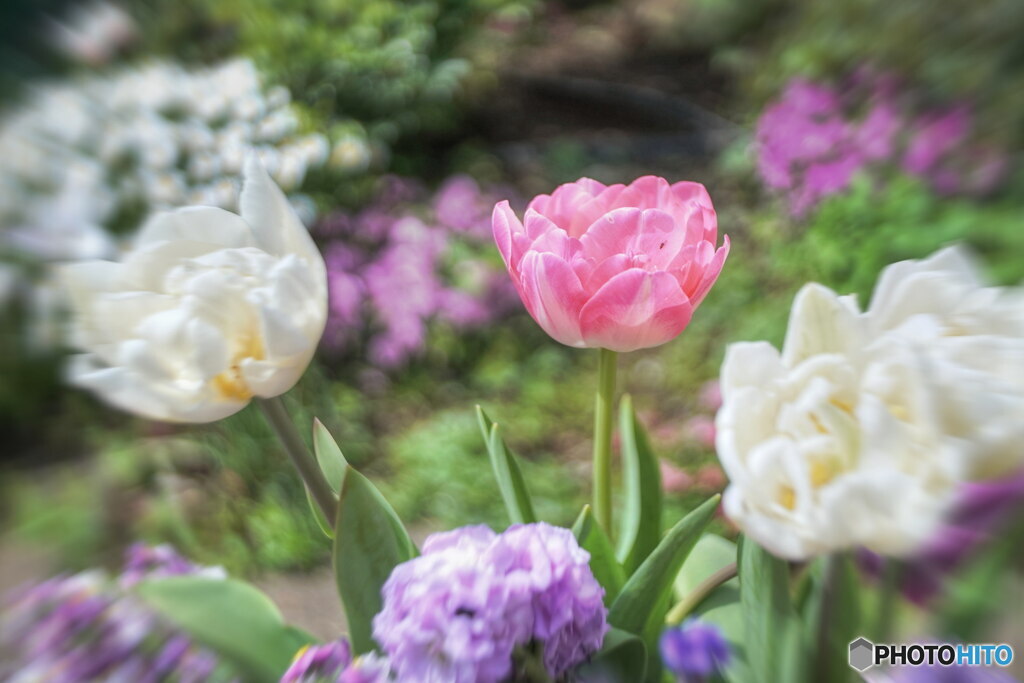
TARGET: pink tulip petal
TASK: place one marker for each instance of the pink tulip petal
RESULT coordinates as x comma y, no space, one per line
634,310
553,295
567,201
711,272
648,236
702,256
505,224
589,212
648,192
606,270
548,237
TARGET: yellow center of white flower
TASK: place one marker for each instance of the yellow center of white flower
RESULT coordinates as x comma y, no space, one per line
230,384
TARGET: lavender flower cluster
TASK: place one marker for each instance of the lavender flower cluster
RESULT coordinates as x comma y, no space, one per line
474,602
403,262
85,627
810,144
471,608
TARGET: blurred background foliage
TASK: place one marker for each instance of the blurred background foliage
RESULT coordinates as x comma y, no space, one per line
519,95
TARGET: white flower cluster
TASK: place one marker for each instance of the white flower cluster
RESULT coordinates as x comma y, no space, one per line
92,32
84,156
859,432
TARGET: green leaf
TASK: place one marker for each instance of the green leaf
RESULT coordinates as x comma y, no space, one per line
369,542
641,520
769,618
318,515
506,470
833,618
329,456
652,581
607,570
230,617
622,657
710,554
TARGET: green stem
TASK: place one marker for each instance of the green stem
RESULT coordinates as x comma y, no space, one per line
304,461
697,595
888,594
603,422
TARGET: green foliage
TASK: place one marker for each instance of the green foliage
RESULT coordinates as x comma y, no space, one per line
771,629
369,542
651,583
607,569
441,472
853,236
623,657
232,618
641,510
387,70
506,472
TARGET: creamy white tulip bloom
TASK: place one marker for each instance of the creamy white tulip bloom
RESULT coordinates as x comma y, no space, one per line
208,310
860,430
970,336
827,449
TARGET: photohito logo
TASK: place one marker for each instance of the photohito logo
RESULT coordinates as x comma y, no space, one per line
864,654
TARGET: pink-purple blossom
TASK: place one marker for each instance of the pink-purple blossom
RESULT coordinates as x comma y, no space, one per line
404,262
815,139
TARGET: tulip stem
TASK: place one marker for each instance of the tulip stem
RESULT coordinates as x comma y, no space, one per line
603,421
299,454
697,595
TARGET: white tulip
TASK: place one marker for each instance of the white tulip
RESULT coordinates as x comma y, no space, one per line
208,310
859,432
971,338
825,450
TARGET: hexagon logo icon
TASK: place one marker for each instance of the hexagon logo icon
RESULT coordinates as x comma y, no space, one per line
862,654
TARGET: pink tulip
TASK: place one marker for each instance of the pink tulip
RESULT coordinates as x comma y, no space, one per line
616,267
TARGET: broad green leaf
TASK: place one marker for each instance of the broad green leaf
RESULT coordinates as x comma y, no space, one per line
769,622
506,471
641,518
652,581
710,554
623,657
832,619
369,542
651,634
329,456
230,617
318,515
607,570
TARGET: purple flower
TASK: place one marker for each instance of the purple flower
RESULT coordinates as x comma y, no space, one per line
149,562
460,611
460,205
936,135
876,135
88,628
369,668
319,663
810,142
694,649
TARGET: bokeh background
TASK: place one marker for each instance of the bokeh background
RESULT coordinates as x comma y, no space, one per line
834,138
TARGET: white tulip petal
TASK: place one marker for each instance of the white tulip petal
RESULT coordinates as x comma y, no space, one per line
203,224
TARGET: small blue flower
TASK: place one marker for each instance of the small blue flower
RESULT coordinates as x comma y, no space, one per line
694,649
